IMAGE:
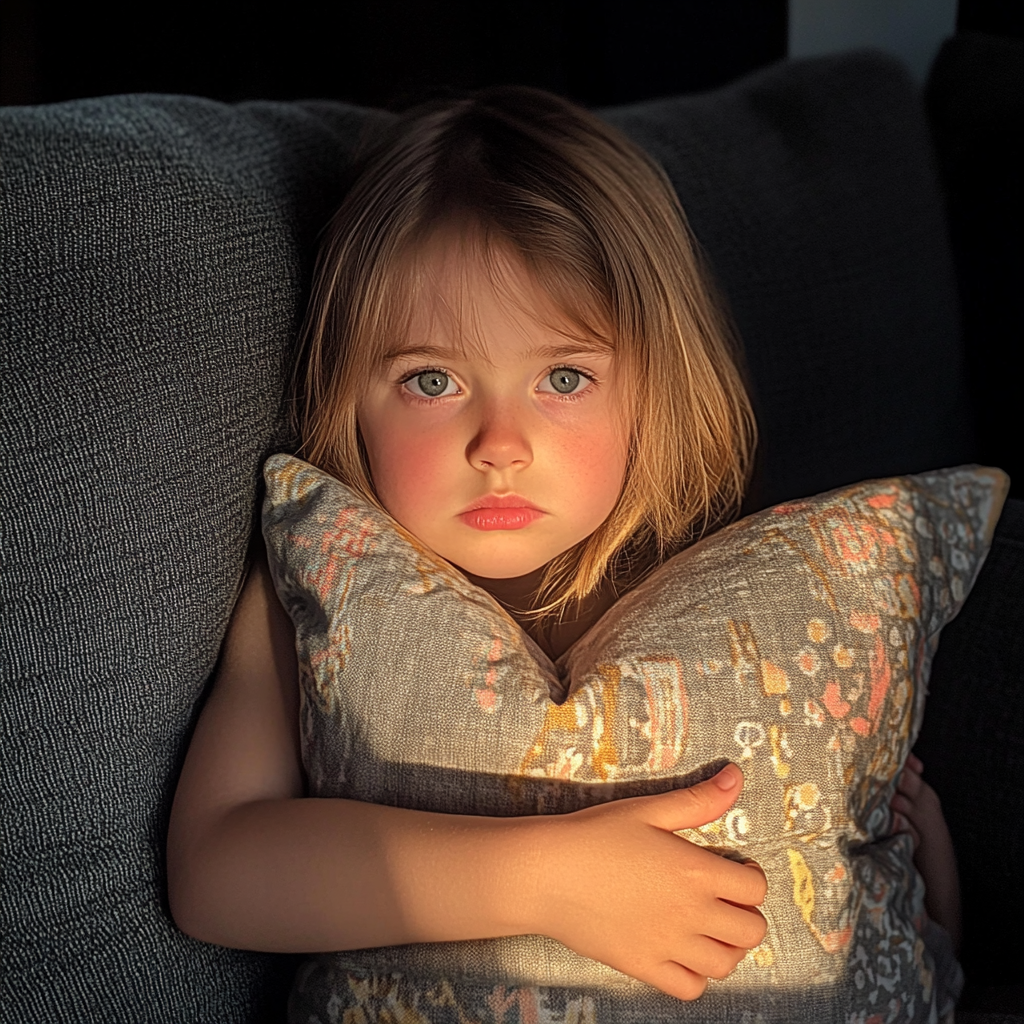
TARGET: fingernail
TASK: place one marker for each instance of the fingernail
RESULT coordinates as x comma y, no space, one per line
726,778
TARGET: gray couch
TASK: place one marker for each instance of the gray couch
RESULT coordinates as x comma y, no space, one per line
155,255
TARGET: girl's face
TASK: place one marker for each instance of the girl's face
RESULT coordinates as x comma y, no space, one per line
501,445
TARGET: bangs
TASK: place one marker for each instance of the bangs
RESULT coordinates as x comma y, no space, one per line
433,283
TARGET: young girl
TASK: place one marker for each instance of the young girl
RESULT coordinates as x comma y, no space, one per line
512,349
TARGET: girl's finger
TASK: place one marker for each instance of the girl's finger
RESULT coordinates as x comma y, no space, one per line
915,763
712,958
739,927
901,804
673,978
694,805
742,884
901,823
914,835
909,784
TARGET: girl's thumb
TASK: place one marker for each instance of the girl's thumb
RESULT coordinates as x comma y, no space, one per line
697,805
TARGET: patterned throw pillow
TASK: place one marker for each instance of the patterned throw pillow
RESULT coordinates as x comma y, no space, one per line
796,642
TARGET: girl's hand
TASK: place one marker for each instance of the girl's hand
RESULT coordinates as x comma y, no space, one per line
917,811
915,803
648,903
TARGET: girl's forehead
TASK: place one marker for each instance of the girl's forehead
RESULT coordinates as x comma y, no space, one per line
462,289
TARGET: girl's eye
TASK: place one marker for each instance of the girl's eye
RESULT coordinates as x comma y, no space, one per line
431,384
564,380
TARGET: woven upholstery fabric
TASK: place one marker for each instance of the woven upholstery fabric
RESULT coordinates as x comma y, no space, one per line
796,642
814,195
154,257
972,744
154,251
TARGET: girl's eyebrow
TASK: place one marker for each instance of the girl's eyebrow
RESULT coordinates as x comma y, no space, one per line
423,350
579,346
575,347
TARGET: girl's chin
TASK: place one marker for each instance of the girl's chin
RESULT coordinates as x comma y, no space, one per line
506,565
483,570
503,554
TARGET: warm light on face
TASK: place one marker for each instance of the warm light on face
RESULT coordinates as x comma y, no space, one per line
502,444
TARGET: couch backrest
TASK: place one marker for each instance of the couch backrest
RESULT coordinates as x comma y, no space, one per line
155,255
812,189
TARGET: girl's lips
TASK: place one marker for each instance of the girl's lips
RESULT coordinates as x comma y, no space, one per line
500,512
500,518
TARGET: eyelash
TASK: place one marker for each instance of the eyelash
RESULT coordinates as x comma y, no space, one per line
589,375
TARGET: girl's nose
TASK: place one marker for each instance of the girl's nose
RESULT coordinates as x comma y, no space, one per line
499,444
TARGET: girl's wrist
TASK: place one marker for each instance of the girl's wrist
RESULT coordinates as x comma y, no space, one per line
466,877
529,855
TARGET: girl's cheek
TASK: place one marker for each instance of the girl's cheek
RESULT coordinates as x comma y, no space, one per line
592,440
408,469
595,459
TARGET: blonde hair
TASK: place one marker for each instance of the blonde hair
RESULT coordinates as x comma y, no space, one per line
599,226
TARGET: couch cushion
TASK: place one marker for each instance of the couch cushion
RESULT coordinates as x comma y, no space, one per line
972,744
155,250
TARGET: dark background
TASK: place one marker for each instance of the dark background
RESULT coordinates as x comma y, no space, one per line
599,52
386,52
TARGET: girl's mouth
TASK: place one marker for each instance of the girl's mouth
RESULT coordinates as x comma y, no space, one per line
505,512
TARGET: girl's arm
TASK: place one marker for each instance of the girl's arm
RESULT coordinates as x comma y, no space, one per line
253,864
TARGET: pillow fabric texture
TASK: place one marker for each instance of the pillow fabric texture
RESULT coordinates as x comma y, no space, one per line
154,258
796,642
